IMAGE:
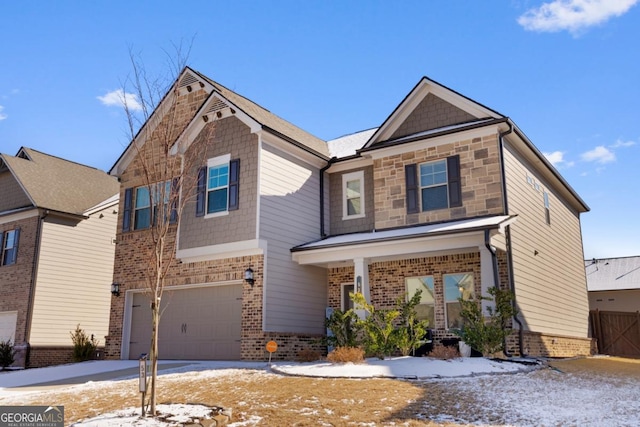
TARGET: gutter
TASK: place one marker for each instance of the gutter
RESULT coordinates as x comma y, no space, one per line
507,233
322,171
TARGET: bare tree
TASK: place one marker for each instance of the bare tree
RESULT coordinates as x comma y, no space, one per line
156,121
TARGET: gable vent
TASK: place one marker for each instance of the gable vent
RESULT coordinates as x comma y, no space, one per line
217,105
187,80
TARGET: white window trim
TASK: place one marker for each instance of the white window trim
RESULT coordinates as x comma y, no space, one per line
215,161
445,184
352,176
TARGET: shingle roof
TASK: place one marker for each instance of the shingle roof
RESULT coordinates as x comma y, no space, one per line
58,184
270,120
612,274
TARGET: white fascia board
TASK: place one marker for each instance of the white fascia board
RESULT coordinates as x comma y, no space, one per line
432,142
405,248
111,201
222,251
201,118
291,149
18,214
356,163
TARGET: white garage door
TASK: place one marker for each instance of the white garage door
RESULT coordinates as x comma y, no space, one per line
197,323
8,325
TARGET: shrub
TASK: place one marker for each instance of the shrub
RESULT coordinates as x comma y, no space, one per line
308,355
487,335
443,352
346,354
380,336
84,347
7,354
344,327
411,332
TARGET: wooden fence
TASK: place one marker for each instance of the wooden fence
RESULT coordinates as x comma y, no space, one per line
618,333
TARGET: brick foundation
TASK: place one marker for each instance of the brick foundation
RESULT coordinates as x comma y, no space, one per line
548,345
40,357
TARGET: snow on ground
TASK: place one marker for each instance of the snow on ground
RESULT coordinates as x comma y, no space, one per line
528,397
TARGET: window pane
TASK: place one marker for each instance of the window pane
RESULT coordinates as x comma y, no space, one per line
425,310
435,198
142,218
433,173
456,286
353,189
218,176
217,201
347,302
353,206
142,197
9,239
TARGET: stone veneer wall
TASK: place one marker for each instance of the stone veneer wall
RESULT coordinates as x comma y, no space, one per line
480,177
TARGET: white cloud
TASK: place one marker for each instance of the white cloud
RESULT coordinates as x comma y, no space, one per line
620,143
572,15
121,98
2,115
600,154
557,159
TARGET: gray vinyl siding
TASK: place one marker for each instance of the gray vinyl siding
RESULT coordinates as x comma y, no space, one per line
295,295
340,225
547,259
74,277
13,196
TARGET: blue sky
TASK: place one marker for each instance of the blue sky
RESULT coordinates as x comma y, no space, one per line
566,71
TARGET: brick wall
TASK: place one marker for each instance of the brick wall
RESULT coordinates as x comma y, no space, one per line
547,345
480,178
40,357
15,281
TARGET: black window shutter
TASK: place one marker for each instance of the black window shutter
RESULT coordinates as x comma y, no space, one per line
201,191
2,234
411,177
174,198
15,247
455,185
126,215
234,184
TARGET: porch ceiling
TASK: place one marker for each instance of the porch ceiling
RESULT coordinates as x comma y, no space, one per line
416,241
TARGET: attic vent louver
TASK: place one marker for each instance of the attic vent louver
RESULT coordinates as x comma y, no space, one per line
217,105
187,80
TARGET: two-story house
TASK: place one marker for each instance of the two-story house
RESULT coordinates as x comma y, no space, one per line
57,231
446,195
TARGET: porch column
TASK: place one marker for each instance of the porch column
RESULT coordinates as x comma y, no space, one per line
361,277
487,279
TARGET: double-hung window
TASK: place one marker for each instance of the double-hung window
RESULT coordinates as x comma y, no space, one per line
425,310
433,185
143,204
218,187
353,195
9,245
456,286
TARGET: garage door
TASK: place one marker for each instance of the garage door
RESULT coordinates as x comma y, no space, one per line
197,323
8,325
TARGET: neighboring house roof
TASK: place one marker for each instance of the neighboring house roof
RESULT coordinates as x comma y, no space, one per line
613,274
57,184
348,145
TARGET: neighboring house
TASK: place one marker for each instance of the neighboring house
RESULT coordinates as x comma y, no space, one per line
57,230
446,195
614,284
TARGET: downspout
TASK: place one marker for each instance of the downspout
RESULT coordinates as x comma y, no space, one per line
32,287
322,171
512,285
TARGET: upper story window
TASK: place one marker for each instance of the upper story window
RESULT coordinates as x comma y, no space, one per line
145,202
218,187
433,185
456,286
547,207
353,195
425,310
9,244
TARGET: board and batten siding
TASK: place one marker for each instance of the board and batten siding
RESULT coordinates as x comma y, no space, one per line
295,295
74,277
548,265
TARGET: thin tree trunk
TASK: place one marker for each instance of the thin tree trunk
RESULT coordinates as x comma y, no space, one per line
155,313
